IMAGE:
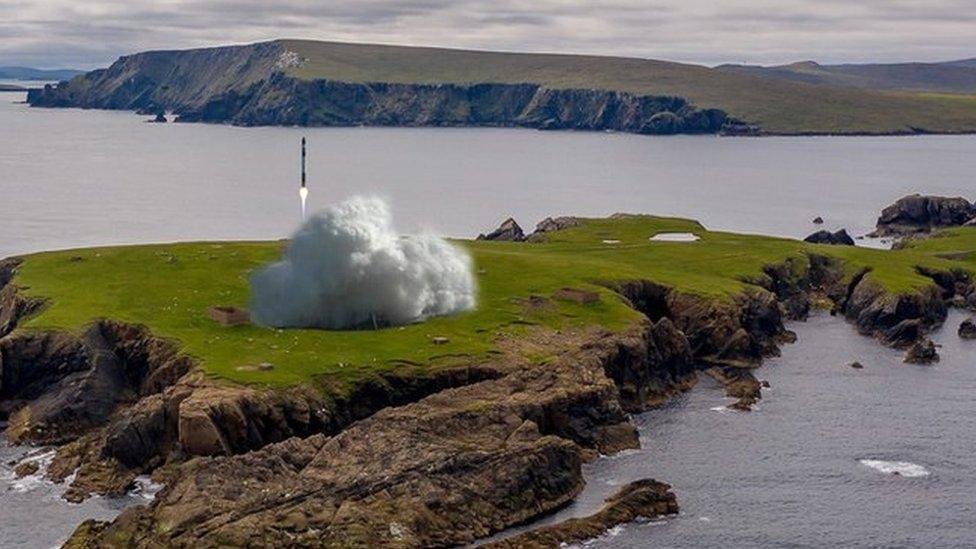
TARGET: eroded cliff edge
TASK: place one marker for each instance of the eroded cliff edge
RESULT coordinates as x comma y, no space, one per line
429,460
249,86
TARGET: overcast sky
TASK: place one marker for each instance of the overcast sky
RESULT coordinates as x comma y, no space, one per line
91,33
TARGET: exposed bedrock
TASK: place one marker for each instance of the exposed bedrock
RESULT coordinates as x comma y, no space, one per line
967,329
898,320
837,238
121,402
455,466
281,100
645,498
420,459
736,332
509,230
13,305
917,213
923,351
248,85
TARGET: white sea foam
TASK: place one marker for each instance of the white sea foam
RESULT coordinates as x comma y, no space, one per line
901,468
145,488
597,541
30,482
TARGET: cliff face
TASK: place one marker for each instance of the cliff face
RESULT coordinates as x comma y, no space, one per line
284,101
406,461
165,80
247,86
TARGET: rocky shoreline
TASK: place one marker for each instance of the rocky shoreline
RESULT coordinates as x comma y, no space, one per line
412,460
259,92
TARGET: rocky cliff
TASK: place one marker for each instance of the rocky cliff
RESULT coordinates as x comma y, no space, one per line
413,460
918,214
249,86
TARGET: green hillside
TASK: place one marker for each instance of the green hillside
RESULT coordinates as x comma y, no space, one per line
953,77
170,287
778,106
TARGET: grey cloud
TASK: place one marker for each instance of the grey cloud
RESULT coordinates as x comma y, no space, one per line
95,32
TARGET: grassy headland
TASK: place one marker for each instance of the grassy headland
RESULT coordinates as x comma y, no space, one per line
778,106
310,83
169,288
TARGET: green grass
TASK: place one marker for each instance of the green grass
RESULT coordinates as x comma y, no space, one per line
777,105
170,287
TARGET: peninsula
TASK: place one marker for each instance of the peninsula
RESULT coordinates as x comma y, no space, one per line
308,83
430,434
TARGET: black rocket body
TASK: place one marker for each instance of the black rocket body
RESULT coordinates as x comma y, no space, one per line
303,190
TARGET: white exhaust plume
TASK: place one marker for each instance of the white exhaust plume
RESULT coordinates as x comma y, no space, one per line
347,268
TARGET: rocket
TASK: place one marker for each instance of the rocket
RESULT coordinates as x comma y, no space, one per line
303,190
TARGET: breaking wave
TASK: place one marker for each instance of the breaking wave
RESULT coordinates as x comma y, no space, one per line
902,468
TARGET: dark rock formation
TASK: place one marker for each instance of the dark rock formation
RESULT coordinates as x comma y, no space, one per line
556,224
13,305
552,224
739,384
451,471
967,329
839,238
919,214
122,403
286,101
509,230
411,460
857,365
247,85
898,320
922,352
646,499
818,220
160,118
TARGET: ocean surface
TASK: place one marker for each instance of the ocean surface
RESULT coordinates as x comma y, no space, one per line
81,178
812,467
32,511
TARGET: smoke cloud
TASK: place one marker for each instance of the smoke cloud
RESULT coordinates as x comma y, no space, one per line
346,267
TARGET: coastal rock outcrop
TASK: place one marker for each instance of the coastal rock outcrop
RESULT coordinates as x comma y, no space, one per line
550,224
645,499
418,459
509,230
922,352
917,213
838,238
739,384
898,320
967,329
255,89
458,465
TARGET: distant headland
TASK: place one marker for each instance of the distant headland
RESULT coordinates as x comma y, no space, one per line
308,83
